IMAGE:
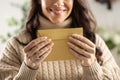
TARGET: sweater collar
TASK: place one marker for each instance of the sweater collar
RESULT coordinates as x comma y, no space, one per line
46,24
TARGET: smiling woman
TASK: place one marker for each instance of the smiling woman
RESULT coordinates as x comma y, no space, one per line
57,10
24,56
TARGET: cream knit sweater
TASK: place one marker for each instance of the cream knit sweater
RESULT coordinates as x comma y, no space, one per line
12,66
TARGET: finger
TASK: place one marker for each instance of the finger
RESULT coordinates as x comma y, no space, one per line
81,44
36,58
38,47
33,43
83,39
79,56
45,55
39,54
79,50
44,50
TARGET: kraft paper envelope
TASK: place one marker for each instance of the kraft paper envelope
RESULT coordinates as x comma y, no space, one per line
60,37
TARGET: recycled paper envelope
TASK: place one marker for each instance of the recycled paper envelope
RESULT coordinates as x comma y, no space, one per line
59,37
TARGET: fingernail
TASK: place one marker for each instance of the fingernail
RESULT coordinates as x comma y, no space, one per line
74,34
70,37
49,40
45,37
68,43
52,44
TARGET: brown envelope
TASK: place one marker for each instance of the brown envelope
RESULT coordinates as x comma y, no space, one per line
60,37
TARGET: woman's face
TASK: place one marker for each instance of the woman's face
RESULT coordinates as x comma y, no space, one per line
57,10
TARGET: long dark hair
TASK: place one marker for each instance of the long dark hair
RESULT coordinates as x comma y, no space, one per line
81,17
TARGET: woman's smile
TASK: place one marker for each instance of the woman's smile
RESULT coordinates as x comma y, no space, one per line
57,11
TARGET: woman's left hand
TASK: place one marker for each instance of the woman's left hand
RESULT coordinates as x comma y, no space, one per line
82,48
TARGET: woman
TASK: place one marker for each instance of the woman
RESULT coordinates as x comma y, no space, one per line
24,54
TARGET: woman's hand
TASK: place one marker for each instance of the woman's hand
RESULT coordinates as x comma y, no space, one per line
36,51
82,48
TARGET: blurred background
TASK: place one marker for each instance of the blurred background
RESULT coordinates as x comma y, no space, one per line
13,15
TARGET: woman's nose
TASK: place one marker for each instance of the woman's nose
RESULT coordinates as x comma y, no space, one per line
59,3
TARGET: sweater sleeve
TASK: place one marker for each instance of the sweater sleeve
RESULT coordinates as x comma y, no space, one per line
108,71
11,66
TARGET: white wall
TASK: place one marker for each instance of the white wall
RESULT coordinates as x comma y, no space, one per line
106,18
6,12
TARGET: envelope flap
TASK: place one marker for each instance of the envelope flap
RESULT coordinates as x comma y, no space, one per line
55,34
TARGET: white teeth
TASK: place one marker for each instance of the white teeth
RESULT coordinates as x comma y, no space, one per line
57,11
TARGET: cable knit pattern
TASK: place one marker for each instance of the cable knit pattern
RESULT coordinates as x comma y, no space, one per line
59,70
50,70
62,70
67,69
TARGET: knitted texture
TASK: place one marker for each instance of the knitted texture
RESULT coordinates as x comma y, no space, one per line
60,70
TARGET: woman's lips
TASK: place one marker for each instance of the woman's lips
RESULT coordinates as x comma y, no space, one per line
58,11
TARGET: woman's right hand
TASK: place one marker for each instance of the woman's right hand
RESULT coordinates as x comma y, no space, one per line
36,51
